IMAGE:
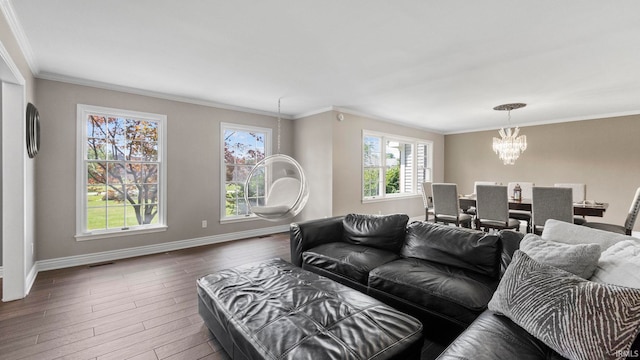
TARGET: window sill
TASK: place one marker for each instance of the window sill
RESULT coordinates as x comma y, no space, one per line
111,234
390,198
239,219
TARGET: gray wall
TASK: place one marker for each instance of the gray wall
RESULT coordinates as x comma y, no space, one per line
601,153
193,168
313,150
328,150
333,149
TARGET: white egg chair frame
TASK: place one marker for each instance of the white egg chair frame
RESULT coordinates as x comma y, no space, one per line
286,190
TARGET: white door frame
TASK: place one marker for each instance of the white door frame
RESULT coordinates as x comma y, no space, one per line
15,215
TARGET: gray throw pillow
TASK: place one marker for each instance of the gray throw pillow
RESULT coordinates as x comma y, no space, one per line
568,233
577,318
620,265
578,259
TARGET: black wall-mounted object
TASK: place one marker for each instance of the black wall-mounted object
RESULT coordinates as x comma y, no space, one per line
33,130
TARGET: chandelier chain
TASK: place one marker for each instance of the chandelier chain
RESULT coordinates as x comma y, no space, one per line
279,125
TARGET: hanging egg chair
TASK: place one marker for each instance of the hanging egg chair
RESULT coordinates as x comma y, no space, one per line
276,188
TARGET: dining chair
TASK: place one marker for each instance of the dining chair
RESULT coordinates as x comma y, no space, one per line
551,203
527,193
492,205
427,199
476,183
472,210
446,207
579,195
627,228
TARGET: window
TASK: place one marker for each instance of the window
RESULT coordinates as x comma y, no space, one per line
243,147
394,166
121,172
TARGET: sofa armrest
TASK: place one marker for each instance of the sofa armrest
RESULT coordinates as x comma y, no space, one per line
510,243
308,234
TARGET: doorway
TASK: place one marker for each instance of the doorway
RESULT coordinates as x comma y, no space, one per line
17,182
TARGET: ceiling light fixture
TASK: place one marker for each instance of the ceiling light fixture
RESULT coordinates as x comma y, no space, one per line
509,146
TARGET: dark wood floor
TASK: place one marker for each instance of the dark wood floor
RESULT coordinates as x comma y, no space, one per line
140,308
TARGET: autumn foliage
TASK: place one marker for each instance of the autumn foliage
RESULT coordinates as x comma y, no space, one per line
122,162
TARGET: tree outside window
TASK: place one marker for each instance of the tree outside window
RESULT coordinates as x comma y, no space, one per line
394,166
373,170
122,163
243,147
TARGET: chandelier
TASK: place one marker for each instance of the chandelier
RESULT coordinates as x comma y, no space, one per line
509,146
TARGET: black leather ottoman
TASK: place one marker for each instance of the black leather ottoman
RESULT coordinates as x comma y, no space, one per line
275,310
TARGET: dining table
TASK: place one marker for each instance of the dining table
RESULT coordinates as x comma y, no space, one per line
579,208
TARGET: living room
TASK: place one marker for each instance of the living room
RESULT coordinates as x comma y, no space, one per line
595,148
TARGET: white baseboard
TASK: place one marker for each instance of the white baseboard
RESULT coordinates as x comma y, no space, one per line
70,261
31,278
78,260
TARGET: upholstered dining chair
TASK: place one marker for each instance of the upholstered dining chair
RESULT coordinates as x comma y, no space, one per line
627,228
579,195
472,210
427,199
527,193
446,207
492,206
476,183
551,203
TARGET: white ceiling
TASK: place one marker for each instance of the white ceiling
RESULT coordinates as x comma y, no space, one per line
437,65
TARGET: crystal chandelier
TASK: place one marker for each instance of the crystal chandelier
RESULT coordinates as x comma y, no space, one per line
509,146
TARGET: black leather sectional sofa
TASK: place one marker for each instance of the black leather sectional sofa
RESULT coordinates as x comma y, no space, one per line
443,275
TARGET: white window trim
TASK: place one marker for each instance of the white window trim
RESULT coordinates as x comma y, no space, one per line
267,148
386,137
81,195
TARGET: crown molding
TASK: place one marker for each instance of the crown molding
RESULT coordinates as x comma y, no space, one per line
183,99
552,121
9,71
155,94
362,114
391,121
16,28
313,112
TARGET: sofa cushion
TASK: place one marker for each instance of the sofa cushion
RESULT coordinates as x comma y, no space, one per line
453,246
456,293
620,265
348,260
379,231
492,336
577,318
578,259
